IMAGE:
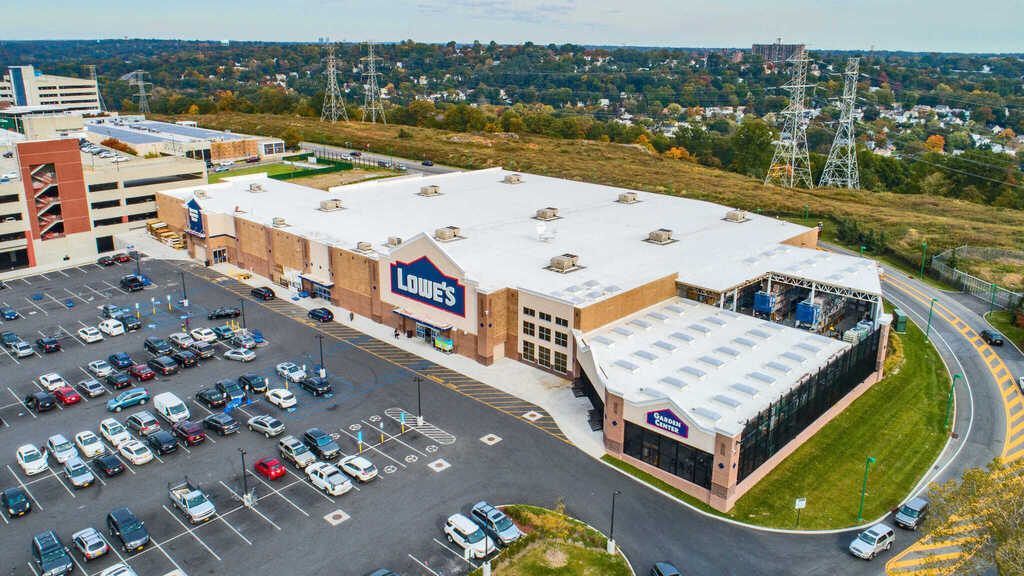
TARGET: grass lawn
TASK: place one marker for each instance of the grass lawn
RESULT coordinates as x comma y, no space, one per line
270,169
899,422
1003,322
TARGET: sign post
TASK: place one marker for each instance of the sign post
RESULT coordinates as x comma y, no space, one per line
799,505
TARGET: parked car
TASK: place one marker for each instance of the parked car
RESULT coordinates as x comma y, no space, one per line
89,335
202,349
321,315
122,258
211,398
192,501
89,444
185,358
165,365
109,464
78,474
131,322
49,556
162,442
262,293
189,432
120,360
873,541
9,313
328,478
141,372
100,368
112,311
52,381
127,399
143,423
114,432
105,261
91,388
60,448
121,522
111,327
664,569
316,385
224,312
180,340
240,355
203,335
253,383
8,338
281,398
231,390
244,341
911,514
495,523
427,162
266,425
221,423
119,380
358,467
48,345
135,452
462,532
170,407
290,371
295,452
992,337
90,543
223,332
321,443
31,459
132,283
21,349
67,396
269,468
15,502
157,345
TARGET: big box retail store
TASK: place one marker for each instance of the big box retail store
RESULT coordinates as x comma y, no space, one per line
710,342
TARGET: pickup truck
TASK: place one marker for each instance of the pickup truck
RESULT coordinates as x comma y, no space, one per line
192,501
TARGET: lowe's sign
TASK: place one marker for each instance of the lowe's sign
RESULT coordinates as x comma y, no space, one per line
667,420
420,280
195,218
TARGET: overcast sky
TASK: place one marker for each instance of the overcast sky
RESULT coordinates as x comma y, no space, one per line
918,25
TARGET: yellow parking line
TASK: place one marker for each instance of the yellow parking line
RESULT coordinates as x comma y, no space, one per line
931,559
944,544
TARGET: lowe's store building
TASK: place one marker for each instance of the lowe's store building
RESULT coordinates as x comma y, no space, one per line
710,342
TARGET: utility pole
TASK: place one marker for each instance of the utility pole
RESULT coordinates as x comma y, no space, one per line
841,169
334,102
95,79
137,78
372,106
791,164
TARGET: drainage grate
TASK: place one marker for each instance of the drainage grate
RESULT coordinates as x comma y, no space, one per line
336,517
491,439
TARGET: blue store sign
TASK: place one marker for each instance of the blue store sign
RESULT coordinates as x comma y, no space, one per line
420,280
667,420
195,218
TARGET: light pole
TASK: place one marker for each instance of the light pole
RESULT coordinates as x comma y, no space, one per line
949,399
862,251
419,400
924,256
241,301
184,293
611,527
864,488
323,369
245,484
928,330
138,268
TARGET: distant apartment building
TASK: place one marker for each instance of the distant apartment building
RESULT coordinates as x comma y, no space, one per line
777,52
26,86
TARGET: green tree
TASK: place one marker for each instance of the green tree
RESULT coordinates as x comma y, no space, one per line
752,148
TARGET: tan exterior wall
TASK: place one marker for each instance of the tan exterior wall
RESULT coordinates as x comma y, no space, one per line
172,211
288,250
808,239
355,284
253,247
556,309
234,149
616,307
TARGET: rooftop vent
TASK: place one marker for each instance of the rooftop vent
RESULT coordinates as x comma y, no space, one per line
330,205
736,216
279,222
364,246
549,213
255,187
431,190
628,198
660,236
447,234
513,179
565,263
394,241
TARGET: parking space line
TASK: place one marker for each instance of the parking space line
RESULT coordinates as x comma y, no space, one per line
116,287
58,302
389,437
73,337
25,488
261,515
63,273
113,452
456,554
278,492
61,481
37,306
30,413
80,567
374,448
311,487
166,555
9,355
94,291
422,565
45,277
33,568
191,532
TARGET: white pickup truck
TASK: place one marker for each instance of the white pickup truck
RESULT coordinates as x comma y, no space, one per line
191,501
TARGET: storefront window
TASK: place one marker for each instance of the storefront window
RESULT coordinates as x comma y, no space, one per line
544,333
668,454
322,292
528,352
562,339
528,328
561,362
544,357
220,255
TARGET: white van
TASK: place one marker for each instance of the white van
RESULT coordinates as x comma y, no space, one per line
169,407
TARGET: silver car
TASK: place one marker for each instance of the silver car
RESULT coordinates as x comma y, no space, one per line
78,473
240,354
266,425
872,541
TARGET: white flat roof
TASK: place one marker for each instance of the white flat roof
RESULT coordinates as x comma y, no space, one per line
719,367
502,244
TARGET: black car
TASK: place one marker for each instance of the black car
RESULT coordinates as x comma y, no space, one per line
162,442
50,556
185,358
262,293
189,432
130,321
120,360
131,283
109,465
118,380
221,423
253,383
202,349
231,389
316,385
225,312
164,365
321,443
40,401
992,337
664,569
428,162
112,311
157,345
211,398
106,261
321,315
47,345
15,502
121,522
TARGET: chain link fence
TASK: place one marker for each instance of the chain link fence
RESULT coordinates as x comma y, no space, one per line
982,289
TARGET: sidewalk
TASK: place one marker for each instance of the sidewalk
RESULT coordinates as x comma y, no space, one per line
551,393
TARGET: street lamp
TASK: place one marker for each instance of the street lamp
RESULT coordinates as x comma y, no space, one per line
241,301
138,269
419,400
862,251
924,256
864,488
323,369
245,484
611,528
928,330
184,293
949,399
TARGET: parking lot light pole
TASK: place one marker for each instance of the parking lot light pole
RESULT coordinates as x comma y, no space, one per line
241,301
419,400
864,487
949,399
924,256
611,527
138,269
184,293
323,369
928,330
245,484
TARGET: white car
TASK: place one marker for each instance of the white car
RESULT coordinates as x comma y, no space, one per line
291,372
60,448
465,534
89,335
89,444
32,460
114,432
281,398
135,452
112,327
328,478
358,467
240,354
204,335
52,381
100,368
118,570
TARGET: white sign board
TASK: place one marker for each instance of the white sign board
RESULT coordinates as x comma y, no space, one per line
800,504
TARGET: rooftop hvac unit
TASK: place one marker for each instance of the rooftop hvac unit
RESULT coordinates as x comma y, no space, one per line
278,222
431,190
660,236
513,179
736,216
364,246
330,205
628,198
548,213
564,262
254,187
394,241
447,233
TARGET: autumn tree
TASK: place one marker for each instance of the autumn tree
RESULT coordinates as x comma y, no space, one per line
936,142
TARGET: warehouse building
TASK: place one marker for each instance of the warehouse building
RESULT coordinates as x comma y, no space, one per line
26,86
182,138
710,342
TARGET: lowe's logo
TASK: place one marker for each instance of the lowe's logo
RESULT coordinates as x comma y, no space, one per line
667,420
195,218
420,280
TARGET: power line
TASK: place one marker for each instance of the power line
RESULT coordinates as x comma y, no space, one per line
334,102
915,158
372,104
841,167
791,164
137,78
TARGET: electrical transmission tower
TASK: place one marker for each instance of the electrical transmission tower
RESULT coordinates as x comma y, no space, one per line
137,78
372,106
791,165
841,168
99,94
334,102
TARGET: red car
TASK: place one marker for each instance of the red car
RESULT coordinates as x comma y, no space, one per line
122,257
189,432
269,468
142,372
67,395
